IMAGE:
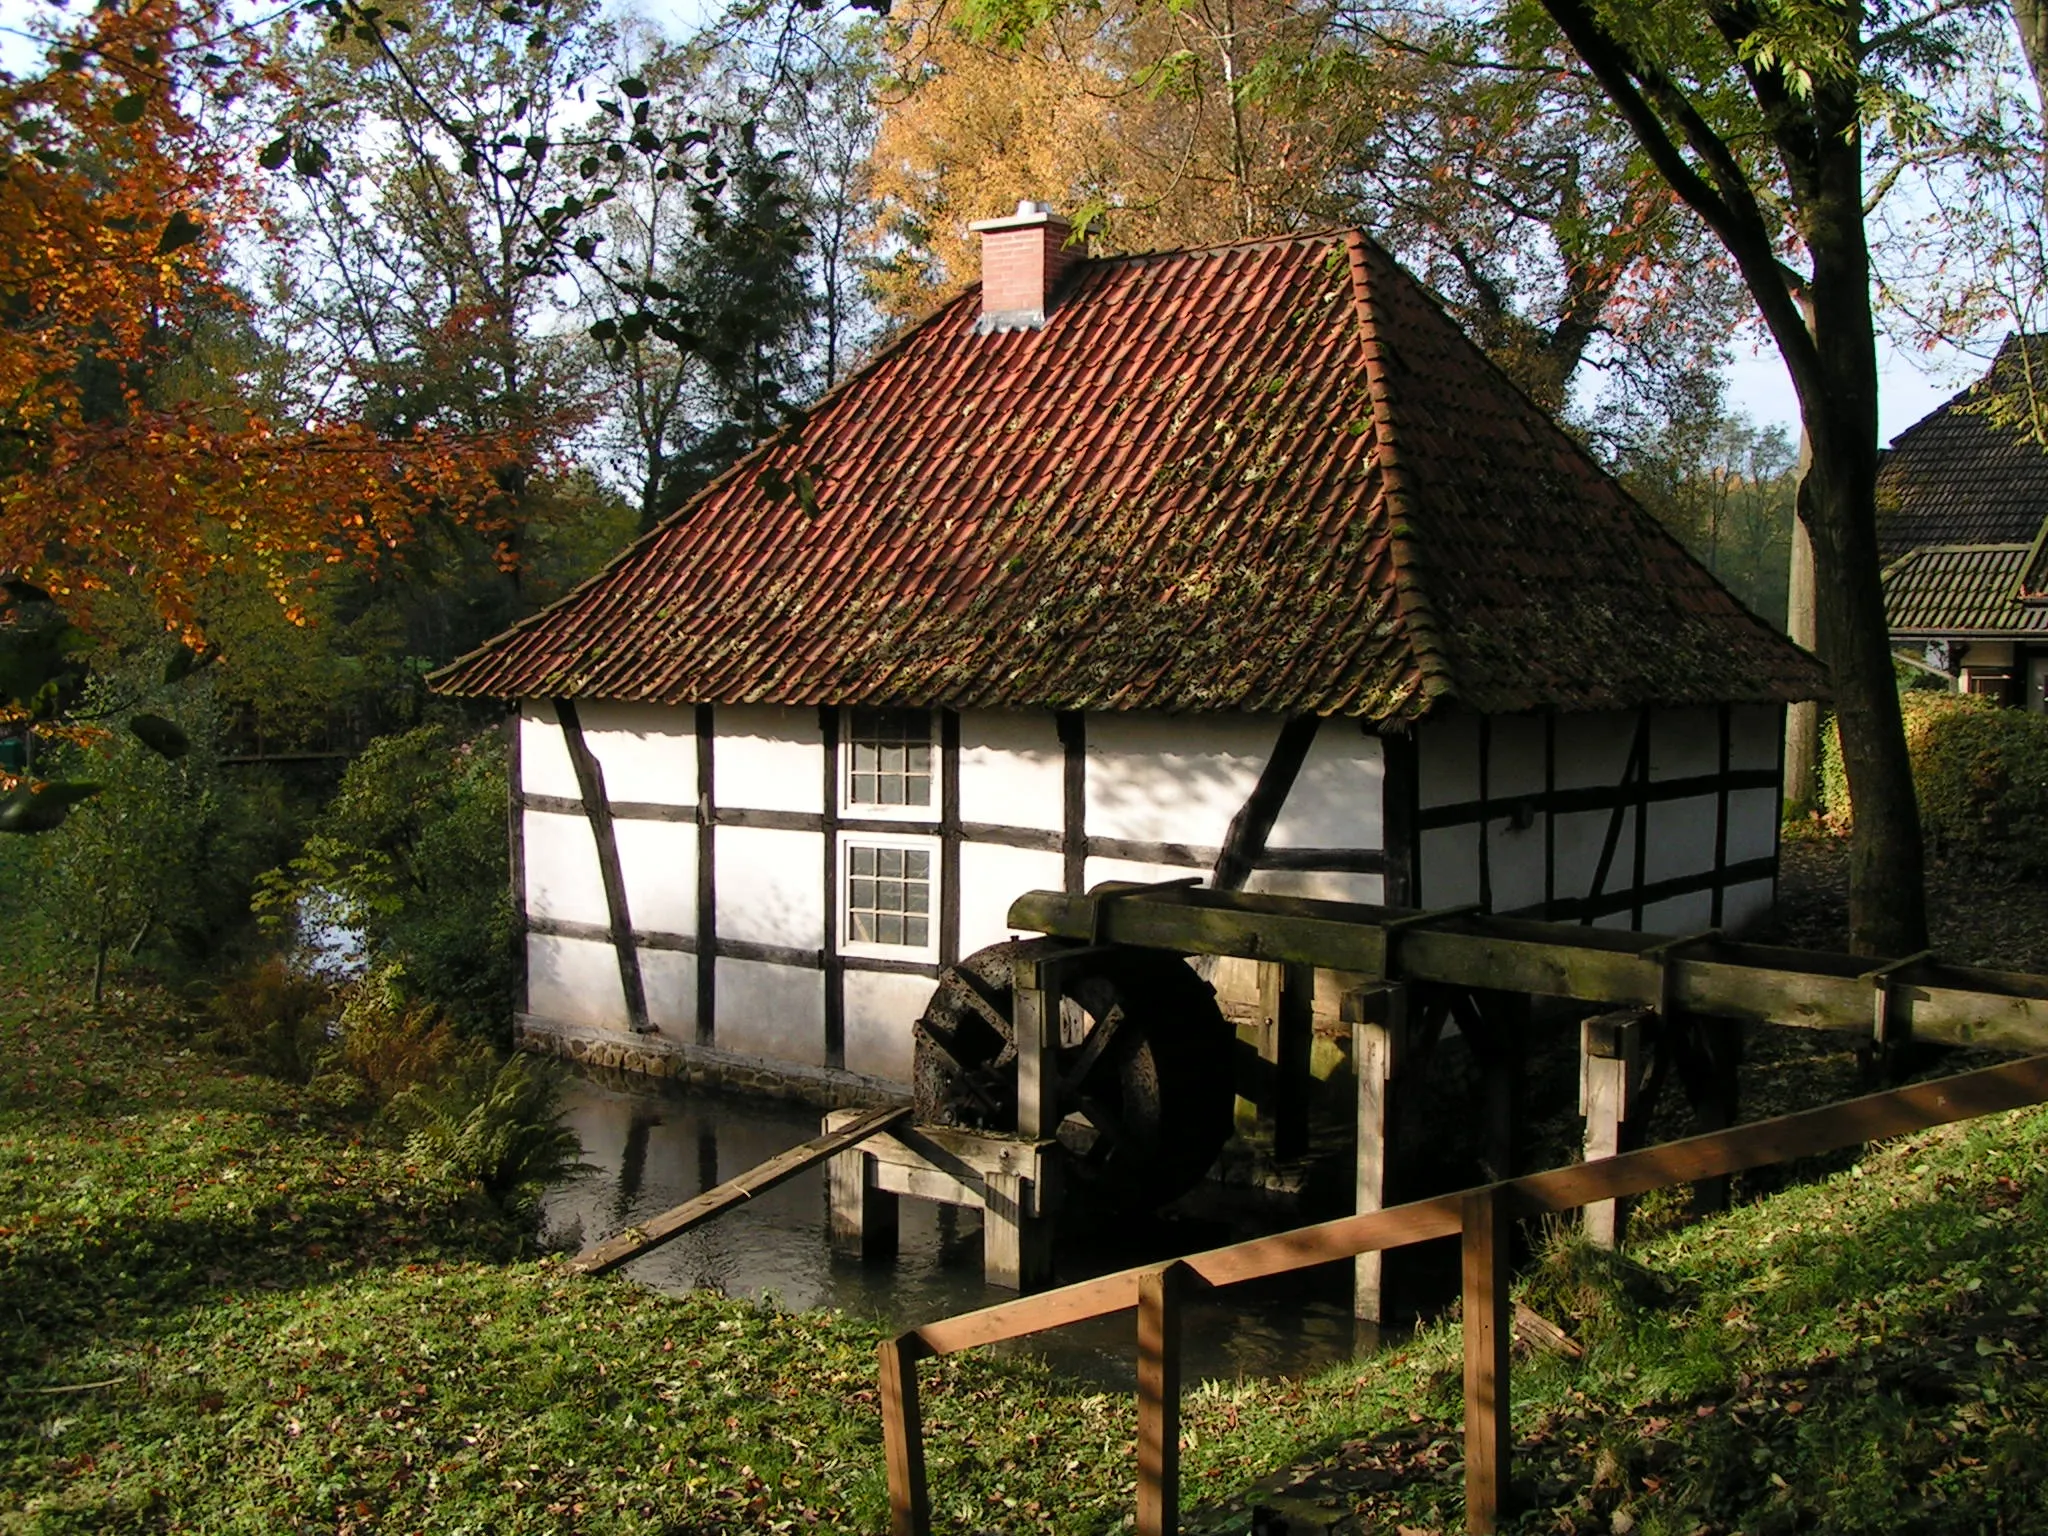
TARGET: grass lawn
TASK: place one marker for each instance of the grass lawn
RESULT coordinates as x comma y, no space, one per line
223,1309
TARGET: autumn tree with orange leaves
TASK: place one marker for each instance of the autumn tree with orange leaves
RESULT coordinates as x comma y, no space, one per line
117,195
121,186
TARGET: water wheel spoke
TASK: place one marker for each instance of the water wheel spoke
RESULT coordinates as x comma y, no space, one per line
979,996
1098,1040
1109,1126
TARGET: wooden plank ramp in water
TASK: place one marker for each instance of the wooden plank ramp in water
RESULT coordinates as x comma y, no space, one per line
601,1258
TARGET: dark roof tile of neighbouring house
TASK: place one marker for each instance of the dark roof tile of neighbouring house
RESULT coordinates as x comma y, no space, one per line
1959,590
1272,476
1959,476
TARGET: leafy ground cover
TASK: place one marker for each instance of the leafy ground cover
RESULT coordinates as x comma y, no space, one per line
226,1307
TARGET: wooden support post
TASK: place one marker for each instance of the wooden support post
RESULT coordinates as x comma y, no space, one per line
1709,1053
1035,1015
1287,1040
910,1510
864,1215
1498,1023
1016,1235
1611,1051
1380,1050
1161,1293
1488,1325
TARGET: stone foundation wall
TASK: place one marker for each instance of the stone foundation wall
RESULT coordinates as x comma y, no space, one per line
654,1055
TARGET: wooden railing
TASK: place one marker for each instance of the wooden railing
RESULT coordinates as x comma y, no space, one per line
1483,1216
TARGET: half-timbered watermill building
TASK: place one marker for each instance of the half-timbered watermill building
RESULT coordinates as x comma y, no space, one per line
1239,563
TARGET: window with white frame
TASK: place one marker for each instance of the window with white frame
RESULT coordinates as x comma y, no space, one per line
889,896
888,761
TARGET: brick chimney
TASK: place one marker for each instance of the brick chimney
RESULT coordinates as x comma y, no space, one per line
1022,260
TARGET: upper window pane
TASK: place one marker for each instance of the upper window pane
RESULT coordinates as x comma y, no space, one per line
889,757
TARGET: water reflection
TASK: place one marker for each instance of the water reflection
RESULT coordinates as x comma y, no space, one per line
650,1149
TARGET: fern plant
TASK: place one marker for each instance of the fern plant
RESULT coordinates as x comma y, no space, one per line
500,1130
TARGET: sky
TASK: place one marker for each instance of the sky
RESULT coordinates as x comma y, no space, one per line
1910,384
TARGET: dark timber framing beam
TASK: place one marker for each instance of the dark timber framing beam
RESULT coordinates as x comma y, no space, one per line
830,823
949,836
1401,833
1073,729
733,949
1369,861
707,877
590,780
1245,840
515,846
1948,1004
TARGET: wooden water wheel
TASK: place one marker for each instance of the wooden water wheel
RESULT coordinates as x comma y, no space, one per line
1143,1060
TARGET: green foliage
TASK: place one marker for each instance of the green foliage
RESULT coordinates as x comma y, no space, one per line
160,862
203,1274
411,853
273,1016
389,1045
1726,488
500,1129
1981,773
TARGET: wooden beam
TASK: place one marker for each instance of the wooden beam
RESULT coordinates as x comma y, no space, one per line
515,848
1489,1335
863,1213
1035,1013
707,877
910,1508
608,1255
1161,1296
590,781
1899,1112
1073,729
1611,1053
1287,1003
1380,1055
829,824
1947,1004
1244,842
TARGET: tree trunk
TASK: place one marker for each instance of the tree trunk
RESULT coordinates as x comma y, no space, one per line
99,967
1802,720
2031,18
1838,504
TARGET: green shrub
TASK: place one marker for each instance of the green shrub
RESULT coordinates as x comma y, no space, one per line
274,1016
410,853
1981,773
389,1044
159,865
500,1129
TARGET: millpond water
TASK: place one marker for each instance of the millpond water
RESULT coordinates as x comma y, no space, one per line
650,1147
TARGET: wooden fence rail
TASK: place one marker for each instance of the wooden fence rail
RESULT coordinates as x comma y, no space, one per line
1484,1216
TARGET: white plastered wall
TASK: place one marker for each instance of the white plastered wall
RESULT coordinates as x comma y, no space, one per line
1592,751
1339,797
1012,772
776,1011
1171,778
767,758
770,887
880,1010
648,752
991,877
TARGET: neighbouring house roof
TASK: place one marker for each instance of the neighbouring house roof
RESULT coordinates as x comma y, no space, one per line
1960,477
1960,590
1272,476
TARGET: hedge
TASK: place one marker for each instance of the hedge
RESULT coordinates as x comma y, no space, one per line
1981,771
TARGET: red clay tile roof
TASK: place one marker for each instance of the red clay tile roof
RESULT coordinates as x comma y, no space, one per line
1272,477
1956,477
